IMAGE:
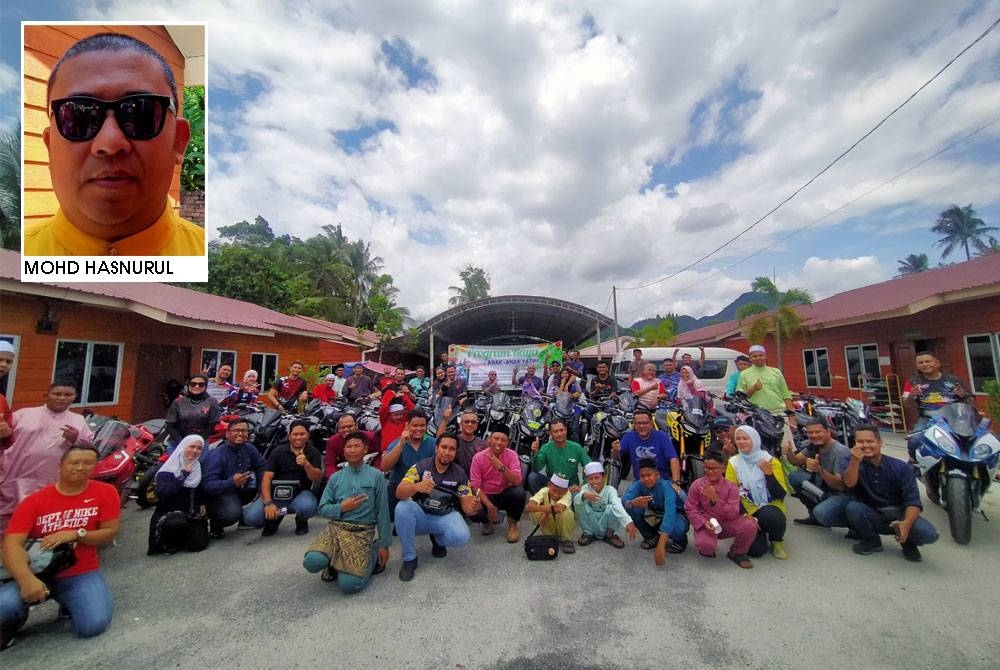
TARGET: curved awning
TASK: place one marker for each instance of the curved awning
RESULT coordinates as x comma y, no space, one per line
511,319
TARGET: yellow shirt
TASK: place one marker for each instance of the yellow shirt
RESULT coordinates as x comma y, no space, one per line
169,236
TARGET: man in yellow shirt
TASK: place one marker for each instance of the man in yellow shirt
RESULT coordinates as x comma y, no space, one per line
113,141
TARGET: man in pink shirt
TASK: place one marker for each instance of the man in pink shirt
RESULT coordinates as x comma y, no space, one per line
495,477
713,507
41,436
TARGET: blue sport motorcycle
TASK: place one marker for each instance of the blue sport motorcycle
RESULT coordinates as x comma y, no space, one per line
958,459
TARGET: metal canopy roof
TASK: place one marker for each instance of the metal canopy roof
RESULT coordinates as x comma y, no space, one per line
512,319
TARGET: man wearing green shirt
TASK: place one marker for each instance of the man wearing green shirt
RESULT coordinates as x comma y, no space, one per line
355,544
558,456
765,387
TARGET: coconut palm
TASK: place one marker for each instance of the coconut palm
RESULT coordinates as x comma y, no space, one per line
913,264
959,226
778,316
475,286
365,270
10,188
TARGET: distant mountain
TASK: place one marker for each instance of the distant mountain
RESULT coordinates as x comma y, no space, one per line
686,323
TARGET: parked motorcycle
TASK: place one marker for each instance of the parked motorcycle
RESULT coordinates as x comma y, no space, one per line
117,444
531,422
689,426
770,427
841,417
501,411
958,459
612,419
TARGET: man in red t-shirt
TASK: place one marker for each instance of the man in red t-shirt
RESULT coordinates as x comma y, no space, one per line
286,392
324,392
334,454
75,510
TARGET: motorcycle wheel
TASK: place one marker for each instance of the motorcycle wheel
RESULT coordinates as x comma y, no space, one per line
146,489
613,468
959,498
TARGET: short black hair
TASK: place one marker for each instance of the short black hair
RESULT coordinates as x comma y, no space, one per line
817,421
346,415
356,435
925,353
647,463
297,423
714,455
449,435
296,361
415,414
236,422
63,382
557,420
743,357
871,428
80,446
114,42
643,411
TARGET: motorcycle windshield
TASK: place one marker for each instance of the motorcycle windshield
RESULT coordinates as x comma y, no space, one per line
695,412
627,401
962,419
111,436
564,403
500,401
533,414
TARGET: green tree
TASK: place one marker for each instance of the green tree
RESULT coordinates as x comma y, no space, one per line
475,286
778,316
659,334
958,227
10,188
193,167
364,270
249,274
246,234
913,264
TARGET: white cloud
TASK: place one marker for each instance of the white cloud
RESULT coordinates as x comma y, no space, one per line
534,143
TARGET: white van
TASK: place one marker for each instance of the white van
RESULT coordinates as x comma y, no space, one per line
720,362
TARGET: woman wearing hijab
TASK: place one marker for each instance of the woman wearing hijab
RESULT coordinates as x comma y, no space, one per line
247,392
194,412
179,522
763,487
691,387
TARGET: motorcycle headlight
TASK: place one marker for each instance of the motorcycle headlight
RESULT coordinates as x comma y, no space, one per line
944,441
600,416
496,415
534,425
981,451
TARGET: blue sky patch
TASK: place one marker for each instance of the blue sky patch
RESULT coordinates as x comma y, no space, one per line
353,141
415,69
427,236
422,204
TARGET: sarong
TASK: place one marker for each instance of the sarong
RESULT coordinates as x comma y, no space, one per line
348,546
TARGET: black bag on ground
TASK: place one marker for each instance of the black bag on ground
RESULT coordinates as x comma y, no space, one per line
541,547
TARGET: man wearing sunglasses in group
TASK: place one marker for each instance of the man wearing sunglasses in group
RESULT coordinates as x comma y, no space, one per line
113,141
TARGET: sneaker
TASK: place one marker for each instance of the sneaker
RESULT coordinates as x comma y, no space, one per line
911,553
867,547
779,551
217,534
301,526
513,534
270,527
676,548
852,535
438,550
568,547
407,570
808,521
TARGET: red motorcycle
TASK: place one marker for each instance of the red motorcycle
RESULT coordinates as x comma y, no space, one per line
121,449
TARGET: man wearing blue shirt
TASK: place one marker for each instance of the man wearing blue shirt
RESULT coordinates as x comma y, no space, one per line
231,478
646,442
653,508
888,501
402,454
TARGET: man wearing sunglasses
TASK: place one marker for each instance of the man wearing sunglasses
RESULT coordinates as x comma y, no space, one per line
113,139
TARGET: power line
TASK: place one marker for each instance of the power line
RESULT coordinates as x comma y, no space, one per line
847,204
821,172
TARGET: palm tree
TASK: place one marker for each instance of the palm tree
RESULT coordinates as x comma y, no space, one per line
659,334
781,319
475,285
10,188
365,269
991,246
959,226
913,264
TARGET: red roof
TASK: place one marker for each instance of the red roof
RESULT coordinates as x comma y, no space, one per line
897,297
181,303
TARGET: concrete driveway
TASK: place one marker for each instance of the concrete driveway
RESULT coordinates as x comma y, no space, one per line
246,602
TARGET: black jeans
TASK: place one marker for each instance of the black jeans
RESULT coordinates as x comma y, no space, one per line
510,500
772,525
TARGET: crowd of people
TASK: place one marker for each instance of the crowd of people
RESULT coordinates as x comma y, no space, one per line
403,482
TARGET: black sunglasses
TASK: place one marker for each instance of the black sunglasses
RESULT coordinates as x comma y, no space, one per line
140,116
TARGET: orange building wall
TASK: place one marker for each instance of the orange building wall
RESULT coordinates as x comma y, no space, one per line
43,46
36,356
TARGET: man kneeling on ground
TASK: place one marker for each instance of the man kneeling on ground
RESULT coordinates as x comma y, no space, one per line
75,511
652,504
430,496
355,544
715,510
552,509
496,478
599,510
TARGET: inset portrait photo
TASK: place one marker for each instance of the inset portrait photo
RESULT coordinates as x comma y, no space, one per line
114,152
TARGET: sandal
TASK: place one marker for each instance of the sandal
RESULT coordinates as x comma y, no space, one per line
568,547
648,544
328,575
614,541
742,560
585,539
379,569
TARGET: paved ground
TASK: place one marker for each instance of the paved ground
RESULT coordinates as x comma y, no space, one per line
246,603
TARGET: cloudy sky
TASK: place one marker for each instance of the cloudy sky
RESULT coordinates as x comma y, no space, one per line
571,146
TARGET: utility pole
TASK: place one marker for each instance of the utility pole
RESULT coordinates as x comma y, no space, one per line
614,301
777,321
